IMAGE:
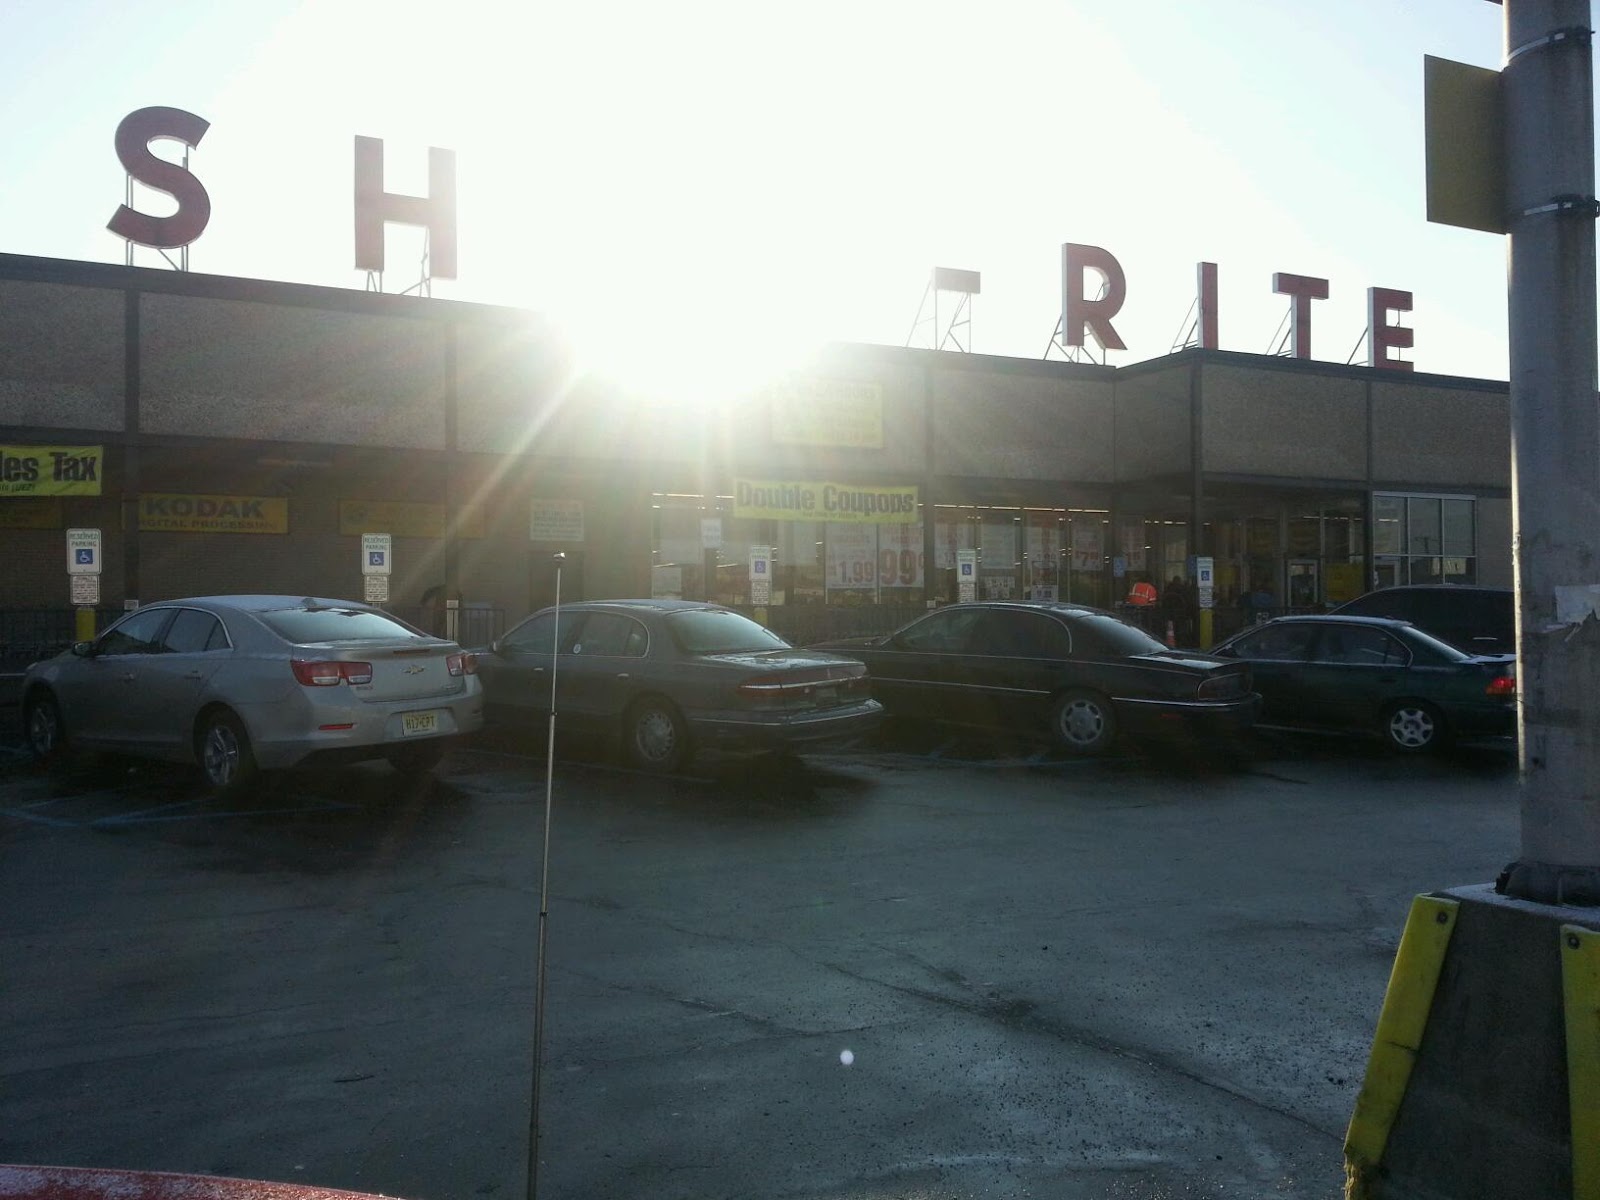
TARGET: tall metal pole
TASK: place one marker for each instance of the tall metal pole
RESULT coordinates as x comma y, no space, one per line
544,901
1548,103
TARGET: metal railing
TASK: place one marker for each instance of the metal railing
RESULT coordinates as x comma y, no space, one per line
30,634
807,624
475,626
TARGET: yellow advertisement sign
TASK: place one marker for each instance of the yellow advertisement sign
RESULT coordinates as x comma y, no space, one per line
808,411
1343,581
177,512
50,470
405,518
31,514
787,500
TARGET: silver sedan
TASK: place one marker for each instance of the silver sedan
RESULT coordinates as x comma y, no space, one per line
240,684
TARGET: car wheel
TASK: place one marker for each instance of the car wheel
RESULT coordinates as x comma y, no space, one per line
223,748
1413,727
419,758
42,722
1083,723
654,736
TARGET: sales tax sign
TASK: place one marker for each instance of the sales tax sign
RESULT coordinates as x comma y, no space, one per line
792,500
50,470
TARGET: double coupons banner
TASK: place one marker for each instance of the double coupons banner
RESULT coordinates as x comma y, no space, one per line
822,500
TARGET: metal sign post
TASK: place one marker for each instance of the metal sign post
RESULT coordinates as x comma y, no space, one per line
544,900
966,576
377,564
83,578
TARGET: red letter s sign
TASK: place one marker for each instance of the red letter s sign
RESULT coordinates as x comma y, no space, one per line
134,135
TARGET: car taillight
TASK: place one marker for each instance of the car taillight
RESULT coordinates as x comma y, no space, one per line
462,664
1502,685
330,674
1220,687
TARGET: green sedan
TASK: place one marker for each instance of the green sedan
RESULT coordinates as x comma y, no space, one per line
1372,674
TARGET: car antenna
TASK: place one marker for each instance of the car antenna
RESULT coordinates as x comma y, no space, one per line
544,899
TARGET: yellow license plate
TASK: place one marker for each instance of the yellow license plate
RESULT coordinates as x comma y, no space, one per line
412,724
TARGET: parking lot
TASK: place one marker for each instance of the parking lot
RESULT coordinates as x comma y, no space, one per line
1128,977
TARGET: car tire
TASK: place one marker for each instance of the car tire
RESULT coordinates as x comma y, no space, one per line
1083,723
1412,727
222,748
654,737
42,725
418,758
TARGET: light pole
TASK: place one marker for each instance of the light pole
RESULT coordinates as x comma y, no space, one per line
1547,97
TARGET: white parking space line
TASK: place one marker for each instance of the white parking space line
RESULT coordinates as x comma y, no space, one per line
190,809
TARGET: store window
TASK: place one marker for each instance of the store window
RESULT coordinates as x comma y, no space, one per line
839,563
1424,539
1026,553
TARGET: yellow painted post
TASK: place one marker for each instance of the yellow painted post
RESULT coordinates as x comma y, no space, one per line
1401,1025
1580,991
1205,629
83,625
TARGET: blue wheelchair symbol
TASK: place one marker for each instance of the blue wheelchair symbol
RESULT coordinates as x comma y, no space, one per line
761,566
83,556
375,558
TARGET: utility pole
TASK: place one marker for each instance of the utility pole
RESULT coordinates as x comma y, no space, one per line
1547,94
1484,1075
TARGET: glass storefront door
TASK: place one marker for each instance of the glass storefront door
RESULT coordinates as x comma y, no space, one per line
1303,590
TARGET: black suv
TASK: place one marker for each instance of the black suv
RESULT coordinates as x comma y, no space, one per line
1477,620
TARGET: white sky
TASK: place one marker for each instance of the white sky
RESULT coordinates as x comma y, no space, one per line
738,180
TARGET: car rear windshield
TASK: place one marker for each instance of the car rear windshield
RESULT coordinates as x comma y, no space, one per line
1116,636
707,631
306,626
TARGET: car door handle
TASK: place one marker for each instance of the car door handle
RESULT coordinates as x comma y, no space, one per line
1388,679
128,678
192,675
623,675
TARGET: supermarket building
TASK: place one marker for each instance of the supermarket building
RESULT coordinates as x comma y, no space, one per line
236,435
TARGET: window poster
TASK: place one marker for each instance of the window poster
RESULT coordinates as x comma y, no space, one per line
1130,545
852,556
900,556
1087,551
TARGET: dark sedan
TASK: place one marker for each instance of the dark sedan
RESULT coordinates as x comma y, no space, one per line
670,676
1078,675
1375,675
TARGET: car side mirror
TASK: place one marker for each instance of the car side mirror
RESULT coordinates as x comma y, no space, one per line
83,649
495,647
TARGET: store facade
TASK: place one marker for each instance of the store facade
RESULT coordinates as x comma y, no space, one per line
245,434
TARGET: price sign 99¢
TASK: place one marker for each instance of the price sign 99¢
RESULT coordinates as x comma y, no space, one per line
899,568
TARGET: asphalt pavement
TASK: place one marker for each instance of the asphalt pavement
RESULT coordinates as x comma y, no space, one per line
930,968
